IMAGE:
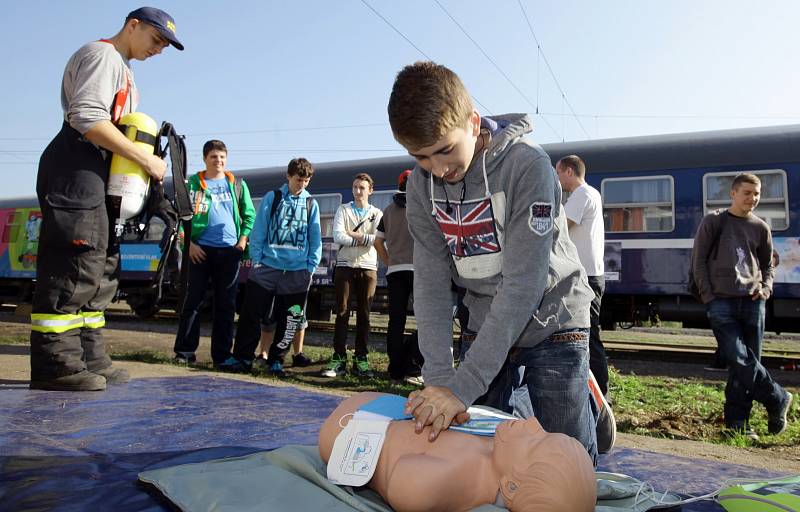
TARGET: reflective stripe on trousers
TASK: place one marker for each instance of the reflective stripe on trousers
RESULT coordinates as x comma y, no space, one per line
49,323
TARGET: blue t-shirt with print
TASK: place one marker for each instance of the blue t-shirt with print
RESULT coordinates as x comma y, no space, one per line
221,230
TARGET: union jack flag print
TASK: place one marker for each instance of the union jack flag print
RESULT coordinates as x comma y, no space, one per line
469,228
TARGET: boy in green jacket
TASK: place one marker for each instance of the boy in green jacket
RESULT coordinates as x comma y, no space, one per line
223,217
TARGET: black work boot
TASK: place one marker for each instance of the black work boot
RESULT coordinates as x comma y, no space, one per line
84,380
114,375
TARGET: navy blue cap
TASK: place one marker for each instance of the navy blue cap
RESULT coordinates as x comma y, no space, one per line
162,21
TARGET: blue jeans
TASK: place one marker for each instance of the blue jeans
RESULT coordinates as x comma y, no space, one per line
738,325
221,267
549,381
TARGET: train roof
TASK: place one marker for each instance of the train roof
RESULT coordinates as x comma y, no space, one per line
746,146
740,147
328,175
717,148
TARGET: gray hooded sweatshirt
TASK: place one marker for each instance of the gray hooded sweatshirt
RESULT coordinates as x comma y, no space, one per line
501,233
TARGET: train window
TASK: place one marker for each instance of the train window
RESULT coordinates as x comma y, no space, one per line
380,199
773,207
328,204
638,205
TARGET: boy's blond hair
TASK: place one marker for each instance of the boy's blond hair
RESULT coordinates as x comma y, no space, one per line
428,100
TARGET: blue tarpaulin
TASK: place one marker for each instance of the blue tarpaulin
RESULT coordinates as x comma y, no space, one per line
83,451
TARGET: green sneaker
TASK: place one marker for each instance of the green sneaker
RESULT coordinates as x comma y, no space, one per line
361,368
337,367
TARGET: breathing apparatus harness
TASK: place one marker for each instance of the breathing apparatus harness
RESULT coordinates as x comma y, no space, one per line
171,212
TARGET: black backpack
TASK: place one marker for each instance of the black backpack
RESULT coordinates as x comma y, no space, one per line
692,285
276,199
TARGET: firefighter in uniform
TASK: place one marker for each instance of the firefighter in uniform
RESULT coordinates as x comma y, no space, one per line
78,258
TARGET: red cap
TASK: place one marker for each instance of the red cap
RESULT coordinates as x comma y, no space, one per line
403,177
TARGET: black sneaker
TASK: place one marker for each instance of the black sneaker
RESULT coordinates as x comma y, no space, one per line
84,380
776,420
337,367
114,375
361,368
260,363
301,361
184,358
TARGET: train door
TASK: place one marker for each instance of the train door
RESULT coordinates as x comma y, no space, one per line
643,255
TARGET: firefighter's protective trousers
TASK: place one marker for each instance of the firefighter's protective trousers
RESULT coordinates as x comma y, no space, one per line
77,269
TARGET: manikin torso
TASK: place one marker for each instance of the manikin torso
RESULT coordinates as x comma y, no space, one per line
458,471
405,463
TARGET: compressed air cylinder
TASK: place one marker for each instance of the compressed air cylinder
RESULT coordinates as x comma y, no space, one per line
126,179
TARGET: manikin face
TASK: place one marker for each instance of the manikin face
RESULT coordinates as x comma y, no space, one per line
215,160
361,190
514,440
745,199
449,157
297,183
146,41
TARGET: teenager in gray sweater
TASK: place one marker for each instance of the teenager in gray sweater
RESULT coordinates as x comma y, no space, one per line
484,208
732,266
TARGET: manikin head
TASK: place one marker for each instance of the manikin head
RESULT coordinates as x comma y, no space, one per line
541,471
431,115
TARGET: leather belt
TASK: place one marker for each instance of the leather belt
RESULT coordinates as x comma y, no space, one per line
570,336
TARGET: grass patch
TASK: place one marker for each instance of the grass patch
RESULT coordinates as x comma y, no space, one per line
18,339
309,376
687,409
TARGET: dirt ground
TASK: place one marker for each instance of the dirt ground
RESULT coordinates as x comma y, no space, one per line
133,336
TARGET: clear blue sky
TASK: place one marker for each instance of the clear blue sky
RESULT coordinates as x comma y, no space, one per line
279,79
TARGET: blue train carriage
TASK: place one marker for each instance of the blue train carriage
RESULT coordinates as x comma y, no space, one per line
655,192
20,219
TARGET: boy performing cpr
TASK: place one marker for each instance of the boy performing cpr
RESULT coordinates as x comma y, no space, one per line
484,208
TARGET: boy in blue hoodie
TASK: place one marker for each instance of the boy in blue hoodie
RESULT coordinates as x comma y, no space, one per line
285,248
484,208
